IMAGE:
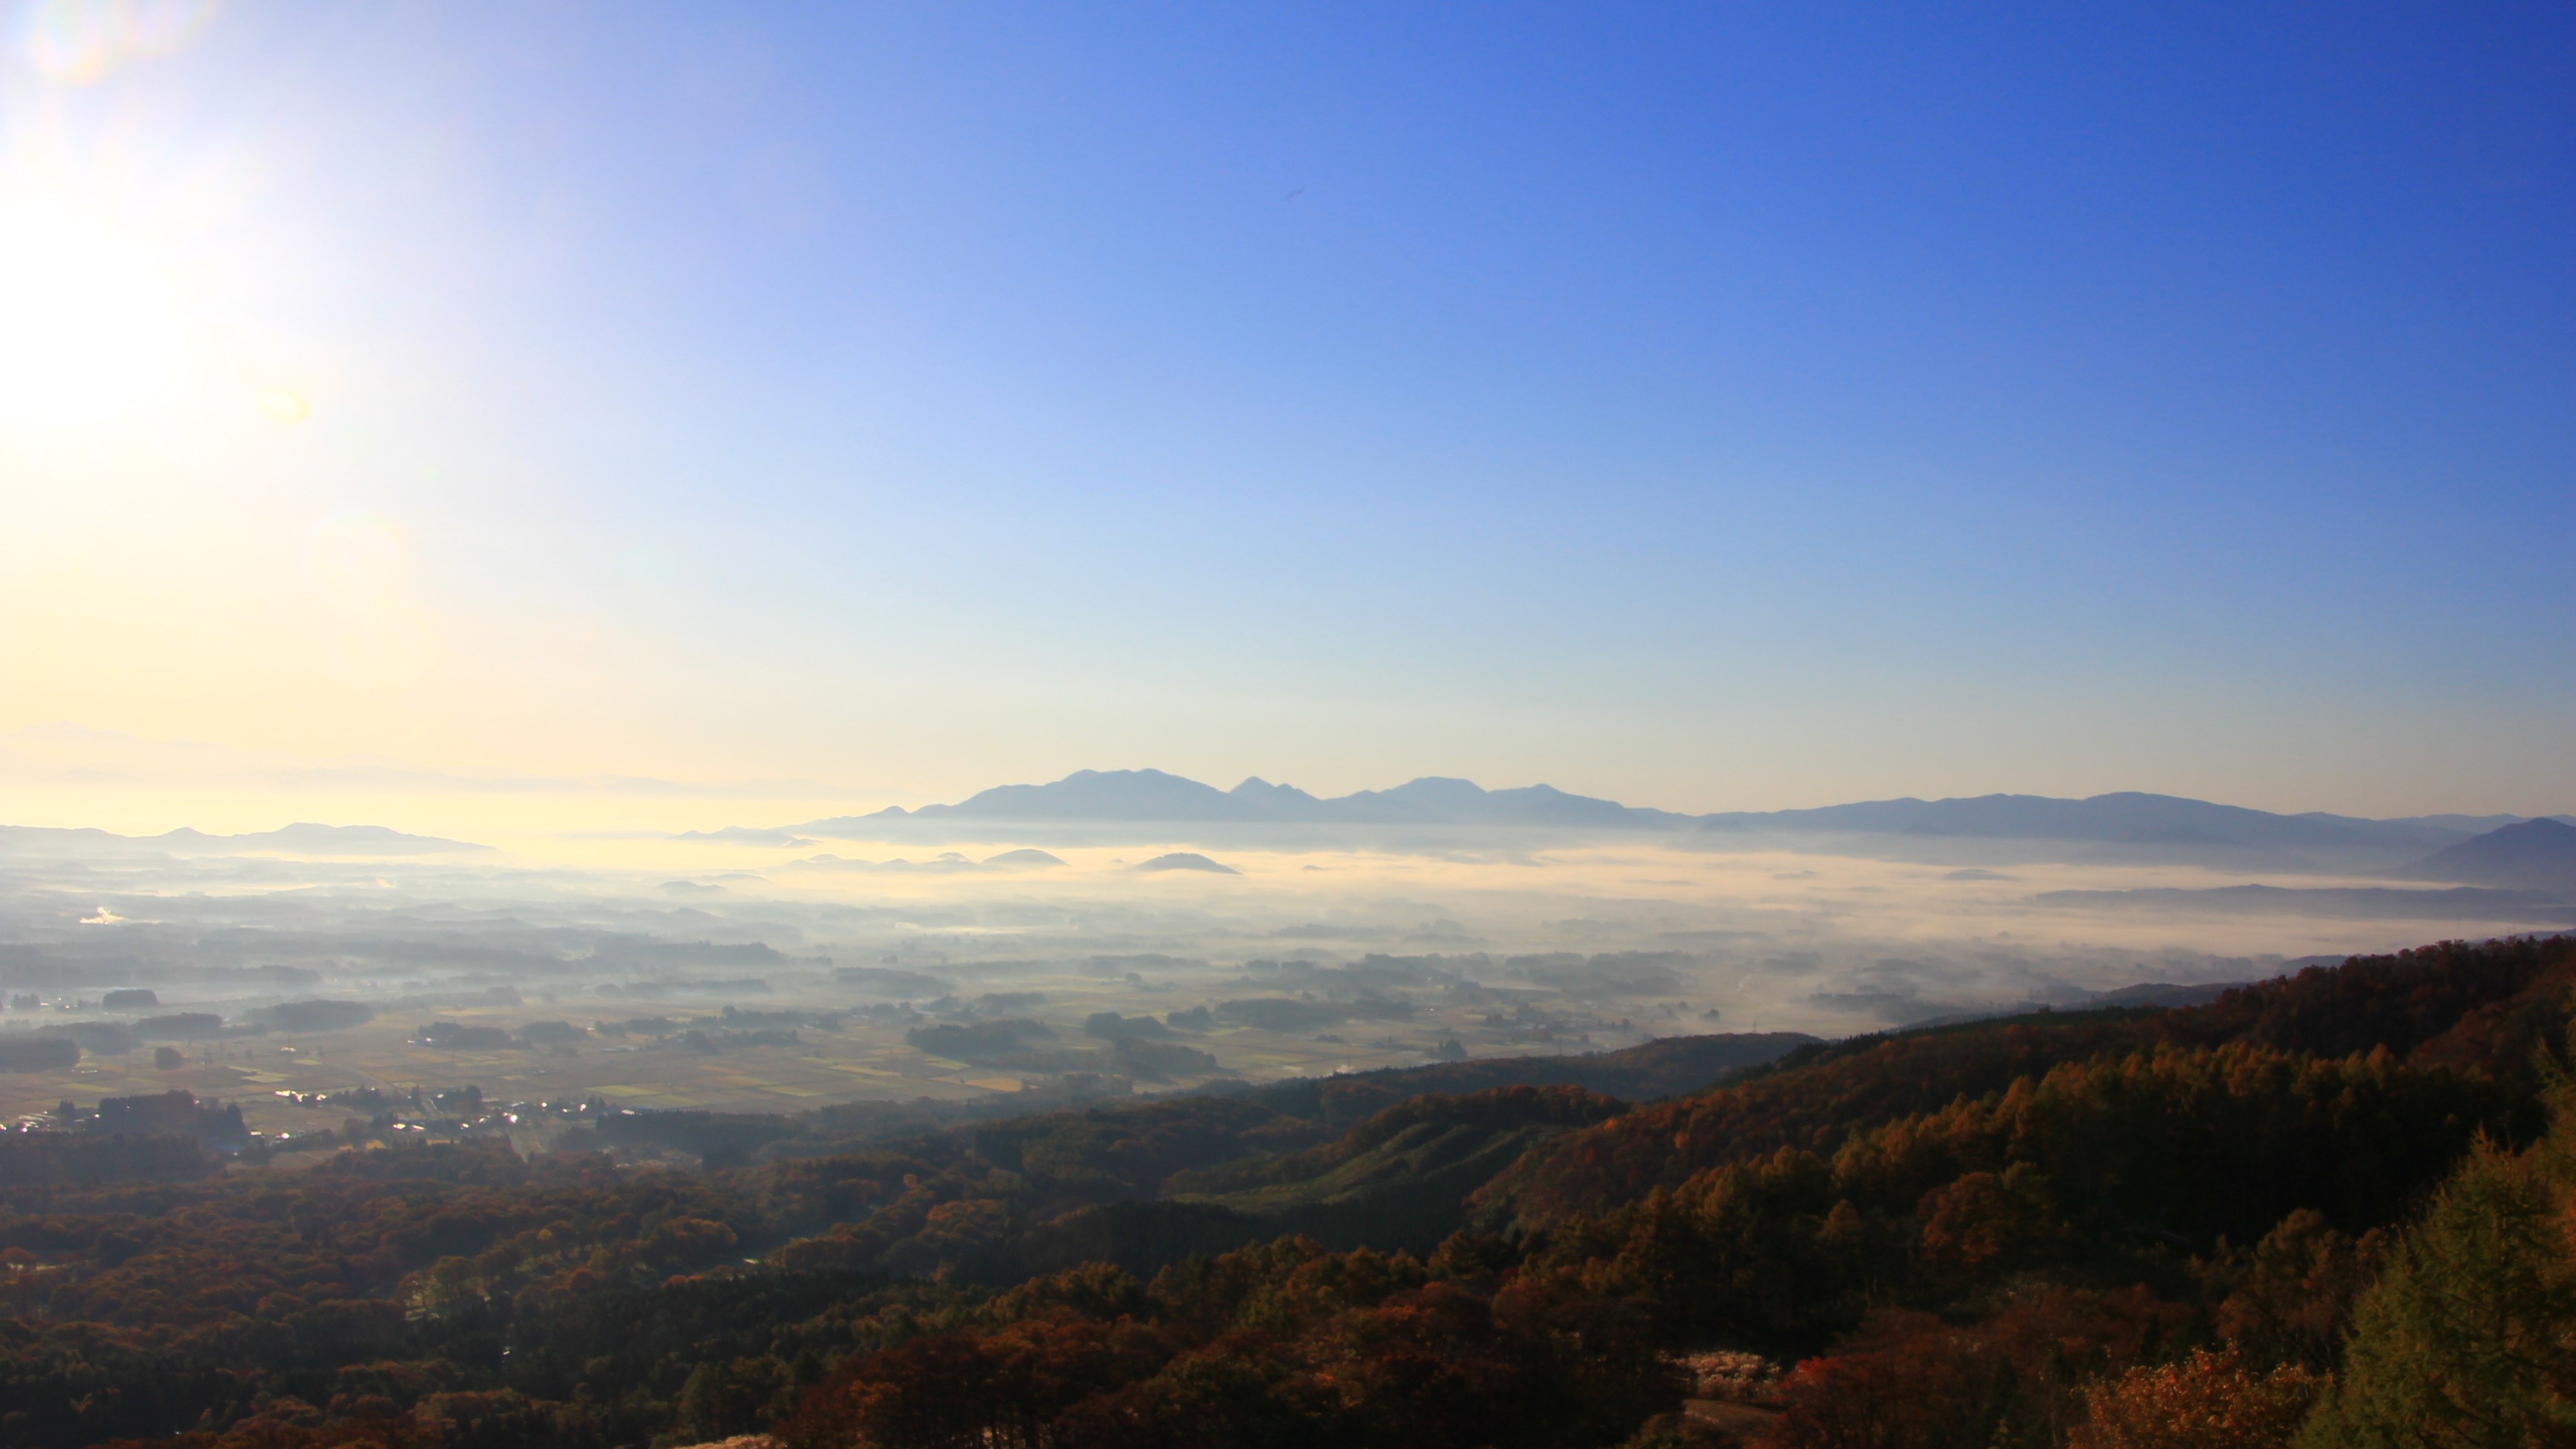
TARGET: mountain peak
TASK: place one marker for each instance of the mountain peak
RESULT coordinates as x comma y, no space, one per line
2538,854
1155,795
1101,795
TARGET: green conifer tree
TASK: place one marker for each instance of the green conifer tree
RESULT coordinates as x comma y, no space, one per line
2468,1340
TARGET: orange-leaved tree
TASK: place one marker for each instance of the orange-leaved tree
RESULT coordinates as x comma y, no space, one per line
2207,1401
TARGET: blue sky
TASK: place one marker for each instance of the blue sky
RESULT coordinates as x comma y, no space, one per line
1714,406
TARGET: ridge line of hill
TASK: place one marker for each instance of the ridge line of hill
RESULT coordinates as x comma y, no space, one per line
2127,818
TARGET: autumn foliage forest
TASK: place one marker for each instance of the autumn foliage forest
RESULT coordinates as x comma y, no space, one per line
2332,1209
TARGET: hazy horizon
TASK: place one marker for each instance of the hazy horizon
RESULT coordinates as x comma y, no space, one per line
66,776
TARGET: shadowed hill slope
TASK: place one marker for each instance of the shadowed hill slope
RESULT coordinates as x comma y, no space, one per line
2481,1008
1398,1181
1645,1073
1432,1150
1313,1108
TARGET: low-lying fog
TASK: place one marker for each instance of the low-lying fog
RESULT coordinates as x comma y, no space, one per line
767,970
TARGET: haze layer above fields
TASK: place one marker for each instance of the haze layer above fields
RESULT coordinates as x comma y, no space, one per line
1117,932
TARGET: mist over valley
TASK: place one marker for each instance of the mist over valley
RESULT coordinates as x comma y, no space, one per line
1126,933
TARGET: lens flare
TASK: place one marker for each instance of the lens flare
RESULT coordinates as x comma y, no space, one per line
285,404
358,560
82,40
359,564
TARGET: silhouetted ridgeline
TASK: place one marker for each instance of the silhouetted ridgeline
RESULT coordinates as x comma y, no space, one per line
2099,1229
2127,824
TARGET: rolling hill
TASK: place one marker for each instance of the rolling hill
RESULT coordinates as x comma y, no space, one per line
2538,855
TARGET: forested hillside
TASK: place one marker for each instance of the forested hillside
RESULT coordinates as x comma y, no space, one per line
2481,1009
2110,1229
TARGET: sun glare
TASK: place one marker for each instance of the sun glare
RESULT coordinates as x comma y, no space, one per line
93,322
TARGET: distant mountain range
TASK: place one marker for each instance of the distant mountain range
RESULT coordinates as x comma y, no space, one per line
2535,854
1143,795
297,839
2125,818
